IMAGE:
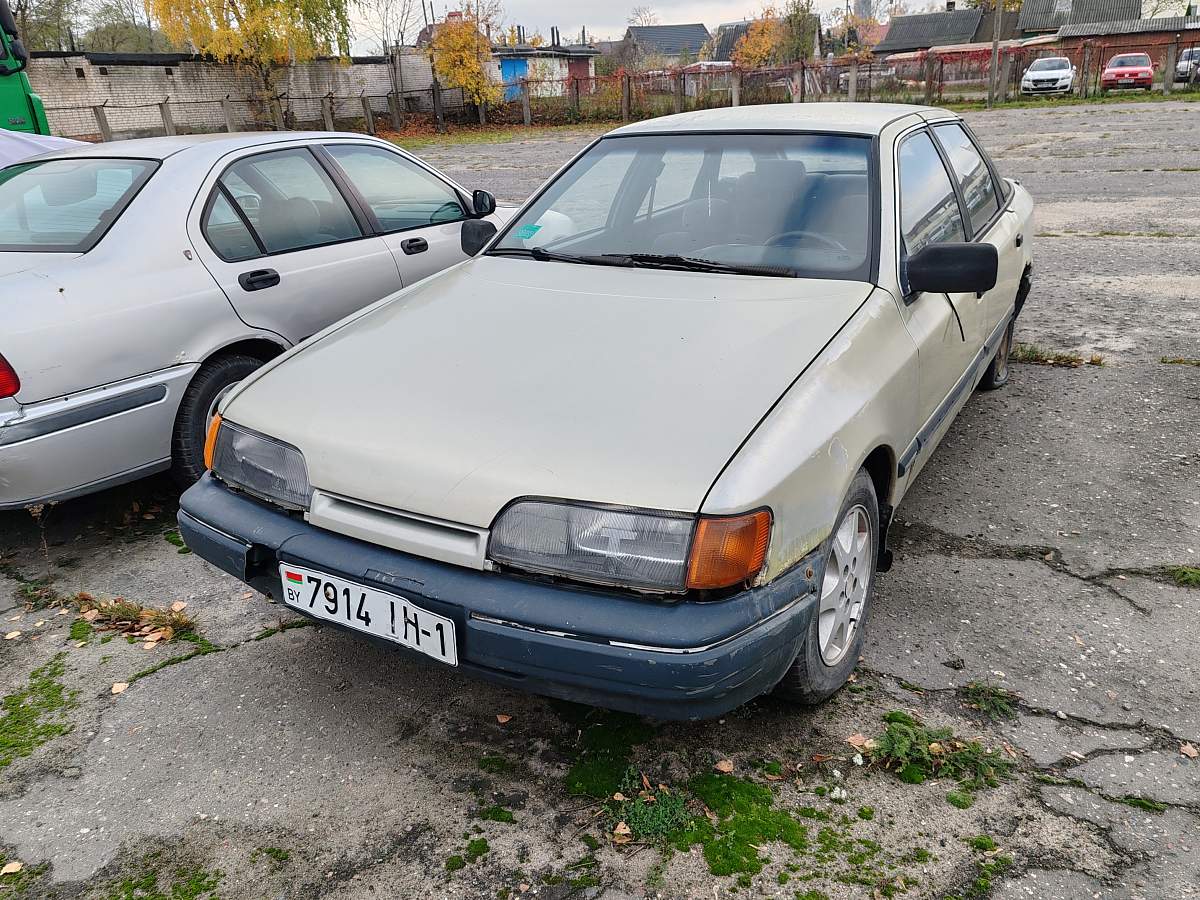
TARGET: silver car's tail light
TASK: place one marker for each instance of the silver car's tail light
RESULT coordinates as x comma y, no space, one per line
262,466
601,544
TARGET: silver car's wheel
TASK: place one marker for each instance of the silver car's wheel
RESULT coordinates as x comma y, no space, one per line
844,587
215,379
216,403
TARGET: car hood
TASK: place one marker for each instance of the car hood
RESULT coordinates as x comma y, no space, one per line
12,262
503,378
1126,71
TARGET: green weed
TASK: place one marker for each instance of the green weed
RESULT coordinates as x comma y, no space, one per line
994,702
33,714
497,814
915,753
1185,576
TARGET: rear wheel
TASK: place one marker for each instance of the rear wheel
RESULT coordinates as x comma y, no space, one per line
838,624
208,388
997,372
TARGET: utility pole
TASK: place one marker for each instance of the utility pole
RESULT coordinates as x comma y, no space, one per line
996,14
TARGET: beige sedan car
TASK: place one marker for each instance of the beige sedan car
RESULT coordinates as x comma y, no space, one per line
641,450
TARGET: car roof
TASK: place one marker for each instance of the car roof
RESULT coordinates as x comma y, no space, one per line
847,118
214,145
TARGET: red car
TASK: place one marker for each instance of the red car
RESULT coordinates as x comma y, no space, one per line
1126,71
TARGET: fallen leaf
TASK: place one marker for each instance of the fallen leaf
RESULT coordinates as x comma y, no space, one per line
39,623
502,718
11,868
179,606
619,797
62,612
168,633
1189,751
119,687
646,782
79,644
149,645
711,816
821,757
724,765
770,777
622,834
90,615
857,741
249,595
155,635
1079,640
11,635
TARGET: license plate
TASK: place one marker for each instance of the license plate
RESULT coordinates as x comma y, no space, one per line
1126,81
365,609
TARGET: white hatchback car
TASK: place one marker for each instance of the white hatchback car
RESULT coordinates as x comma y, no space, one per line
1049,75
142,279
643,450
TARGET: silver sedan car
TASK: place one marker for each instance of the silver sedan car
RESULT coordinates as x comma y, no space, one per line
143,279
692,378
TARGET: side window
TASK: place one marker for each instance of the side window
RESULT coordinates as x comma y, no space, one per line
972,172
399,192
929,212
290,200
227,232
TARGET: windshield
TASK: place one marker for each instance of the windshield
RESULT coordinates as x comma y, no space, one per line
1047,65
65,205
1190,54
1126,62
784,204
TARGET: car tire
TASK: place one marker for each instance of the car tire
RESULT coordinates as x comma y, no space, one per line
996,375
208,386
819,672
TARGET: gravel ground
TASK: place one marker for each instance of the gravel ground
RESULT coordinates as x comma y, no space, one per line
1031,557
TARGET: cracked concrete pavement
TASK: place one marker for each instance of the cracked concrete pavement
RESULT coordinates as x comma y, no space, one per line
1031,555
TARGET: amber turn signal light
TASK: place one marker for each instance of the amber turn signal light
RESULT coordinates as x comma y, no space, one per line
728,550
210,440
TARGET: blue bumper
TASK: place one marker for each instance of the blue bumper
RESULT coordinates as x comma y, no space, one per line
680,660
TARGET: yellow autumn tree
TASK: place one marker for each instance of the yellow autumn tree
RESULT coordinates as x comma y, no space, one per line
264,34
460,59
756,47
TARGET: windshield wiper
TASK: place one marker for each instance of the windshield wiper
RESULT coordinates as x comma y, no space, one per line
695,264
541,254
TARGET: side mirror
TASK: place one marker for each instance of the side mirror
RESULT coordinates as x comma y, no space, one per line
475,234
953,268
484,203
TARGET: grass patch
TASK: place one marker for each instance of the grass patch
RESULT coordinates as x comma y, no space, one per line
1185,576
81,630
866,813
276,853
33,715
655,816
590,841
1155,96
135,620
1142,803
994,702
284,626
496,765
1180,361
17,884
1064,359
477,849
455,862
915,753
982,842
173,538
960,799
606,743
497,813
182,884
202,648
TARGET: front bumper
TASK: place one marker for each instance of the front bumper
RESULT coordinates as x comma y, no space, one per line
681,660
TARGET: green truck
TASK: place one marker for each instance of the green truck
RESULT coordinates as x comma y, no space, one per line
20,108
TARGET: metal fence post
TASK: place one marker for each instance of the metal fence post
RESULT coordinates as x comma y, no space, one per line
437,105
626,99
230,121
1169,67
102,123
368,115
929,63
679,76
852,92
735,87
327,111
394,106
526,112
277,114
164,110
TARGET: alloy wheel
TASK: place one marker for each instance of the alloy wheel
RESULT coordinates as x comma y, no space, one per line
844,586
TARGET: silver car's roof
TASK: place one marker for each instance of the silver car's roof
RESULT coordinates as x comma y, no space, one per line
847,118
209,145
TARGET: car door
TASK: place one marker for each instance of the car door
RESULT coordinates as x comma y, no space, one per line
419,214
288,248
980,194
945,327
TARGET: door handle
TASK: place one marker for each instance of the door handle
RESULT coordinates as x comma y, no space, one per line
258,279
1020,239
414,245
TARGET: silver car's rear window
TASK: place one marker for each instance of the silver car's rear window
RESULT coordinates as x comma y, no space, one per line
66,205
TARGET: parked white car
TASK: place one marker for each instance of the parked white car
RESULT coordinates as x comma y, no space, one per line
643,450
1049,75
142,279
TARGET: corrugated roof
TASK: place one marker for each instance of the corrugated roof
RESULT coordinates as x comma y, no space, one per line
1131,26
669,40
926,30
727,38
1047,15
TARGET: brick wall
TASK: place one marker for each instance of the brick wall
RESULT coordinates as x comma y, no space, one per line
70,85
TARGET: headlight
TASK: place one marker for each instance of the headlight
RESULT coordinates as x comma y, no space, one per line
640,549
260,465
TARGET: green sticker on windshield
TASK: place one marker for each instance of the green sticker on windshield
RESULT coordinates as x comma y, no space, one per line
525,232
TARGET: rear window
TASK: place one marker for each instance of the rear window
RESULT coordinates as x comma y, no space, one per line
66,205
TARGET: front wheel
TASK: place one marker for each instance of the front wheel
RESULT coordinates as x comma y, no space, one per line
997,372
208,388
838,624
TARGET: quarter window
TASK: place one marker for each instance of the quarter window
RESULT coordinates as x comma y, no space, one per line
400,193
974,177
227,232
289,200
929,212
